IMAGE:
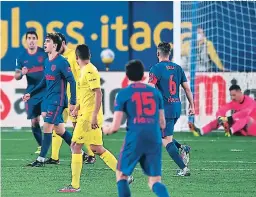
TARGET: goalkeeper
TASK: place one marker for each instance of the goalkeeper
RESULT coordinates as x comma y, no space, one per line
243,120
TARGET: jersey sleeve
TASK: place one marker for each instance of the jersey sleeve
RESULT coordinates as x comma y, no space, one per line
183,76
39,87
161,100
66,71
154,75
18,63
223,109
119,102
93,79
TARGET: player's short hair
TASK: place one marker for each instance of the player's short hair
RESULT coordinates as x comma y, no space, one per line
31,32
62,36
234,87
56,40
164,48
134,70
83,52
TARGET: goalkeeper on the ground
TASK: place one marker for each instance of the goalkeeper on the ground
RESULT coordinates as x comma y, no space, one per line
243,120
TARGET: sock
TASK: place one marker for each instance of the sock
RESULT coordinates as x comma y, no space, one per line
174,153
213,125
67,137
160,190
36,130
89,151
123,188
109,159
251,129
76,167
56,144
177,144
47,141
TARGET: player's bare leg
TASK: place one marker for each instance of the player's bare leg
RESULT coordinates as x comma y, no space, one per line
174,154
154,183
76,166
36,130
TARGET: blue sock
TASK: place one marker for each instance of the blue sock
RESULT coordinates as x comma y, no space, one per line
177,144
47,141
123,188
160,190
174,153
67,137
36,130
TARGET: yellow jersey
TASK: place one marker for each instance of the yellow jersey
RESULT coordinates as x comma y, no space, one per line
88,81
70,56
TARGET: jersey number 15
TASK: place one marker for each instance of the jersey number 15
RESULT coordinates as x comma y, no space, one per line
145,103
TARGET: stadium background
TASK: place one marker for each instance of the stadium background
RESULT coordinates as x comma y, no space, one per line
132,34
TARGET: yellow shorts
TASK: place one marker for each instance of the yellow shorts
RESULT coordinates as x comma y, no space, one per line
83,133
67,117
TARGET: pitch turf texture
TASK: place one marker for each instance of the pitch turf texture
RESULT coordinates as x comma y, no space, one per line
220,166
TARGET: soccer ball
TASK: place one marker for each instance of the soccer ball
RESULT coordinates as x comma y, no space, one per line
107,56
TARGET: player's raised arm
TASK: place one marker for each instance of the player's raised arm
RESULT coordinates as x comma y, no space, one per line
66,71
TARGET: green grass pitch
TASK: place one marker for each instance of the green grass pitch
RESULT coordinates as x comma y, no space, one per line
220,166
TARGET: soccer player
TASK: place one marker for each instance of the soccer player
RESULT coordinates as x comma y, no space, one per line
241,122
70,56
57,74
143,105
167,77
90,118
31,64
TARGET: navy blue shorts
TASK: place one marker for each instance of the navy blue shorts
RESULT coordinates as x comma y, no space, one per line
33,109
54,114
168,131
150,159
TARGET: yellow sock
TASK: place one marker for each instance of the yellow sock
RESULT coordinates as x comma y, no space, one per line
56,144
89,151
109,159
76,166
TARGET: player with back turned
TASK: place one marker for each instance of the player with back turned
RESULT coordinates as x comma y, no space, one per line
143,106
31,63
57,74
167,77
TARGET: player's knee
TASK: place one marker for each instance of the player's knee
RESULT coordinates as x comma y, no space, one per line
153,180
120,176
35,122
98,150
76,148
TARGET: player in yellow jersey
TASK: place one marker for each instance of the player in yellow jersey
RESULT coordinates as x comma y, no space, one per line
89,118
70,55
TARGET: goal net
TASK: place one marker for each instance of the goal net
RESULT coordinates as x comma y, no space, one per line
218,49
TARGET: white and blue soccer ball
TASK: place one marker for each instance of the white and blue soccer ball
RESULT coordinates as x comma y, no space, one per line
107,56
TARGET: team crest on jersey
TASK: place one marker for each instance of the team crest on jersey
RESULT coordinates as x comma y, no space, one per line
53,67
40,59
69,69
